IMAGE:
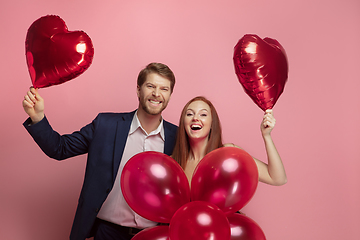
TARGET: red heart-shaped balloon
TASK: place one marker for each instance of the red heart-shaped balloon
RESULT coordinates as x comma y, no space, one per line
262,69
55,55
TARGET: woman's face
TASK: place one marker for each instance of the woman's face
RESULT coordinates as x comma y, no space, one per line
198,120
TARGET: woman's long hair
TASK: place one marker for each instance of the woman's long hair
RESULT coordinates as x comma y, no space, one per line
181,150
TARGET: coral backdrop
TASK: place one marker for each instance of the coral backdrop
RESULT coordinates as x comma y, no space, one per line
317,132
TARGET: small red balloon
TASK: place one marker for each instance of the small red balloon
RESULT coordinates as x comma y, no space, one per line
226,177
244,228
262,69
153,233
154,185
55,55
201,221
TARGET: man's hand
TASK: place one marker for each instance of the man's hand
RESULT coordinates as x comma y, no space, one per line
33,105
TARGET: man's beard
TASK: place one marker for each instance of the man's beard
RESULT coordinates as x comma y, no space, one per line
150,111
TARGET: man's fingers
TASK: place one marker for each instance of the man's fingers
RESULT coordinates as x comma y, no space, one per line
27,104
30,97
36,94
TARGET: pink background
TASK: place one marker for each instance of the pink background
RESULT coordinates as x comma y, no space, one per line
317,132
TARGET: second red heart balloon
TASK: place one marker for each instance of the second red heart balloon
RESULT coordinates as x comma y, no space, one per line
262,69
55,55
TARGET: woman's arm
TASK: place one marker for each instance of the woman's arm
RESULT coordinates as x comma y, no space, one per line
273,172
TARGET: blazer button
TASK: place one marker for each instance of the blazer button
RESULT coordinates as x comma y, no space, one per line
108,190
97,210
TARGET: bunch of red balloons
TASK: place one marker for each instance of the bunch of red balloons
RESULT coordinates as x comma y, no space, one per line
156,187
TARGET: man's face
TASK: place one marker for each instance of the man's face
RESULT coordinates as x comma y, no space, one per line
154,94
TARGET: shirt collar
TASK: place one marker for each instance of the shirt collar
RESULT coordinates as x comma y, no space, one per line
135,124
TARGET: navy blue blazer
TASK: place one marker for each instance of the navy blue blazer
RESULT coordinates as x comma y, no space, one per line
104,141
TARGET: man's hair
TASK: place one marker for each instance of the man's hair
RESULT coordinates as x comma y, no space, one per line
157,68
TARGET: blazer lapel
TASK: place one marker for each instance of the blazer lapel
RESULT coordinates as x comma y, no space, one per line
169,139
122,132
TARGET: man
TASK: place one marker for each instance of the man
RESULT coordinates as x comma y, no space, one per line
110,141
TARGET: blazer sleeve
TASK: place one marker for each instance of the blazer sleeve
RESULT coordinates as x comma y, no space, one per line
59,146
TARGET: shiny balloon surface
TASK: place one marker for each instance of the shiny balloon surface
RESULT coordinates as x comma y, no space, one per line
244,228
55,55
226,177
154,185
262,69
153,233
201,221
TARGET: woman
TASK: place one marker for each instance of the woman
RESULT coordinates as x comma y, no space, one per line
200,132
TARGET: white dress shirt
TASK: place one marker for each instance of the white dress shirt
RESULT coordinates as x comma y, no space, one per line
115,209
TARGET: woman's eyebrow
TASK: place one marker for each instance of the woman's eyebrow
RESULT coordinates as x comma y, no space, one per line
190,109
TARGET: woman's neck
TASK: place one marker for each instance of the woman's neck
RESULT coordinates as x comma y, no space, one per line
197,152
197,149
